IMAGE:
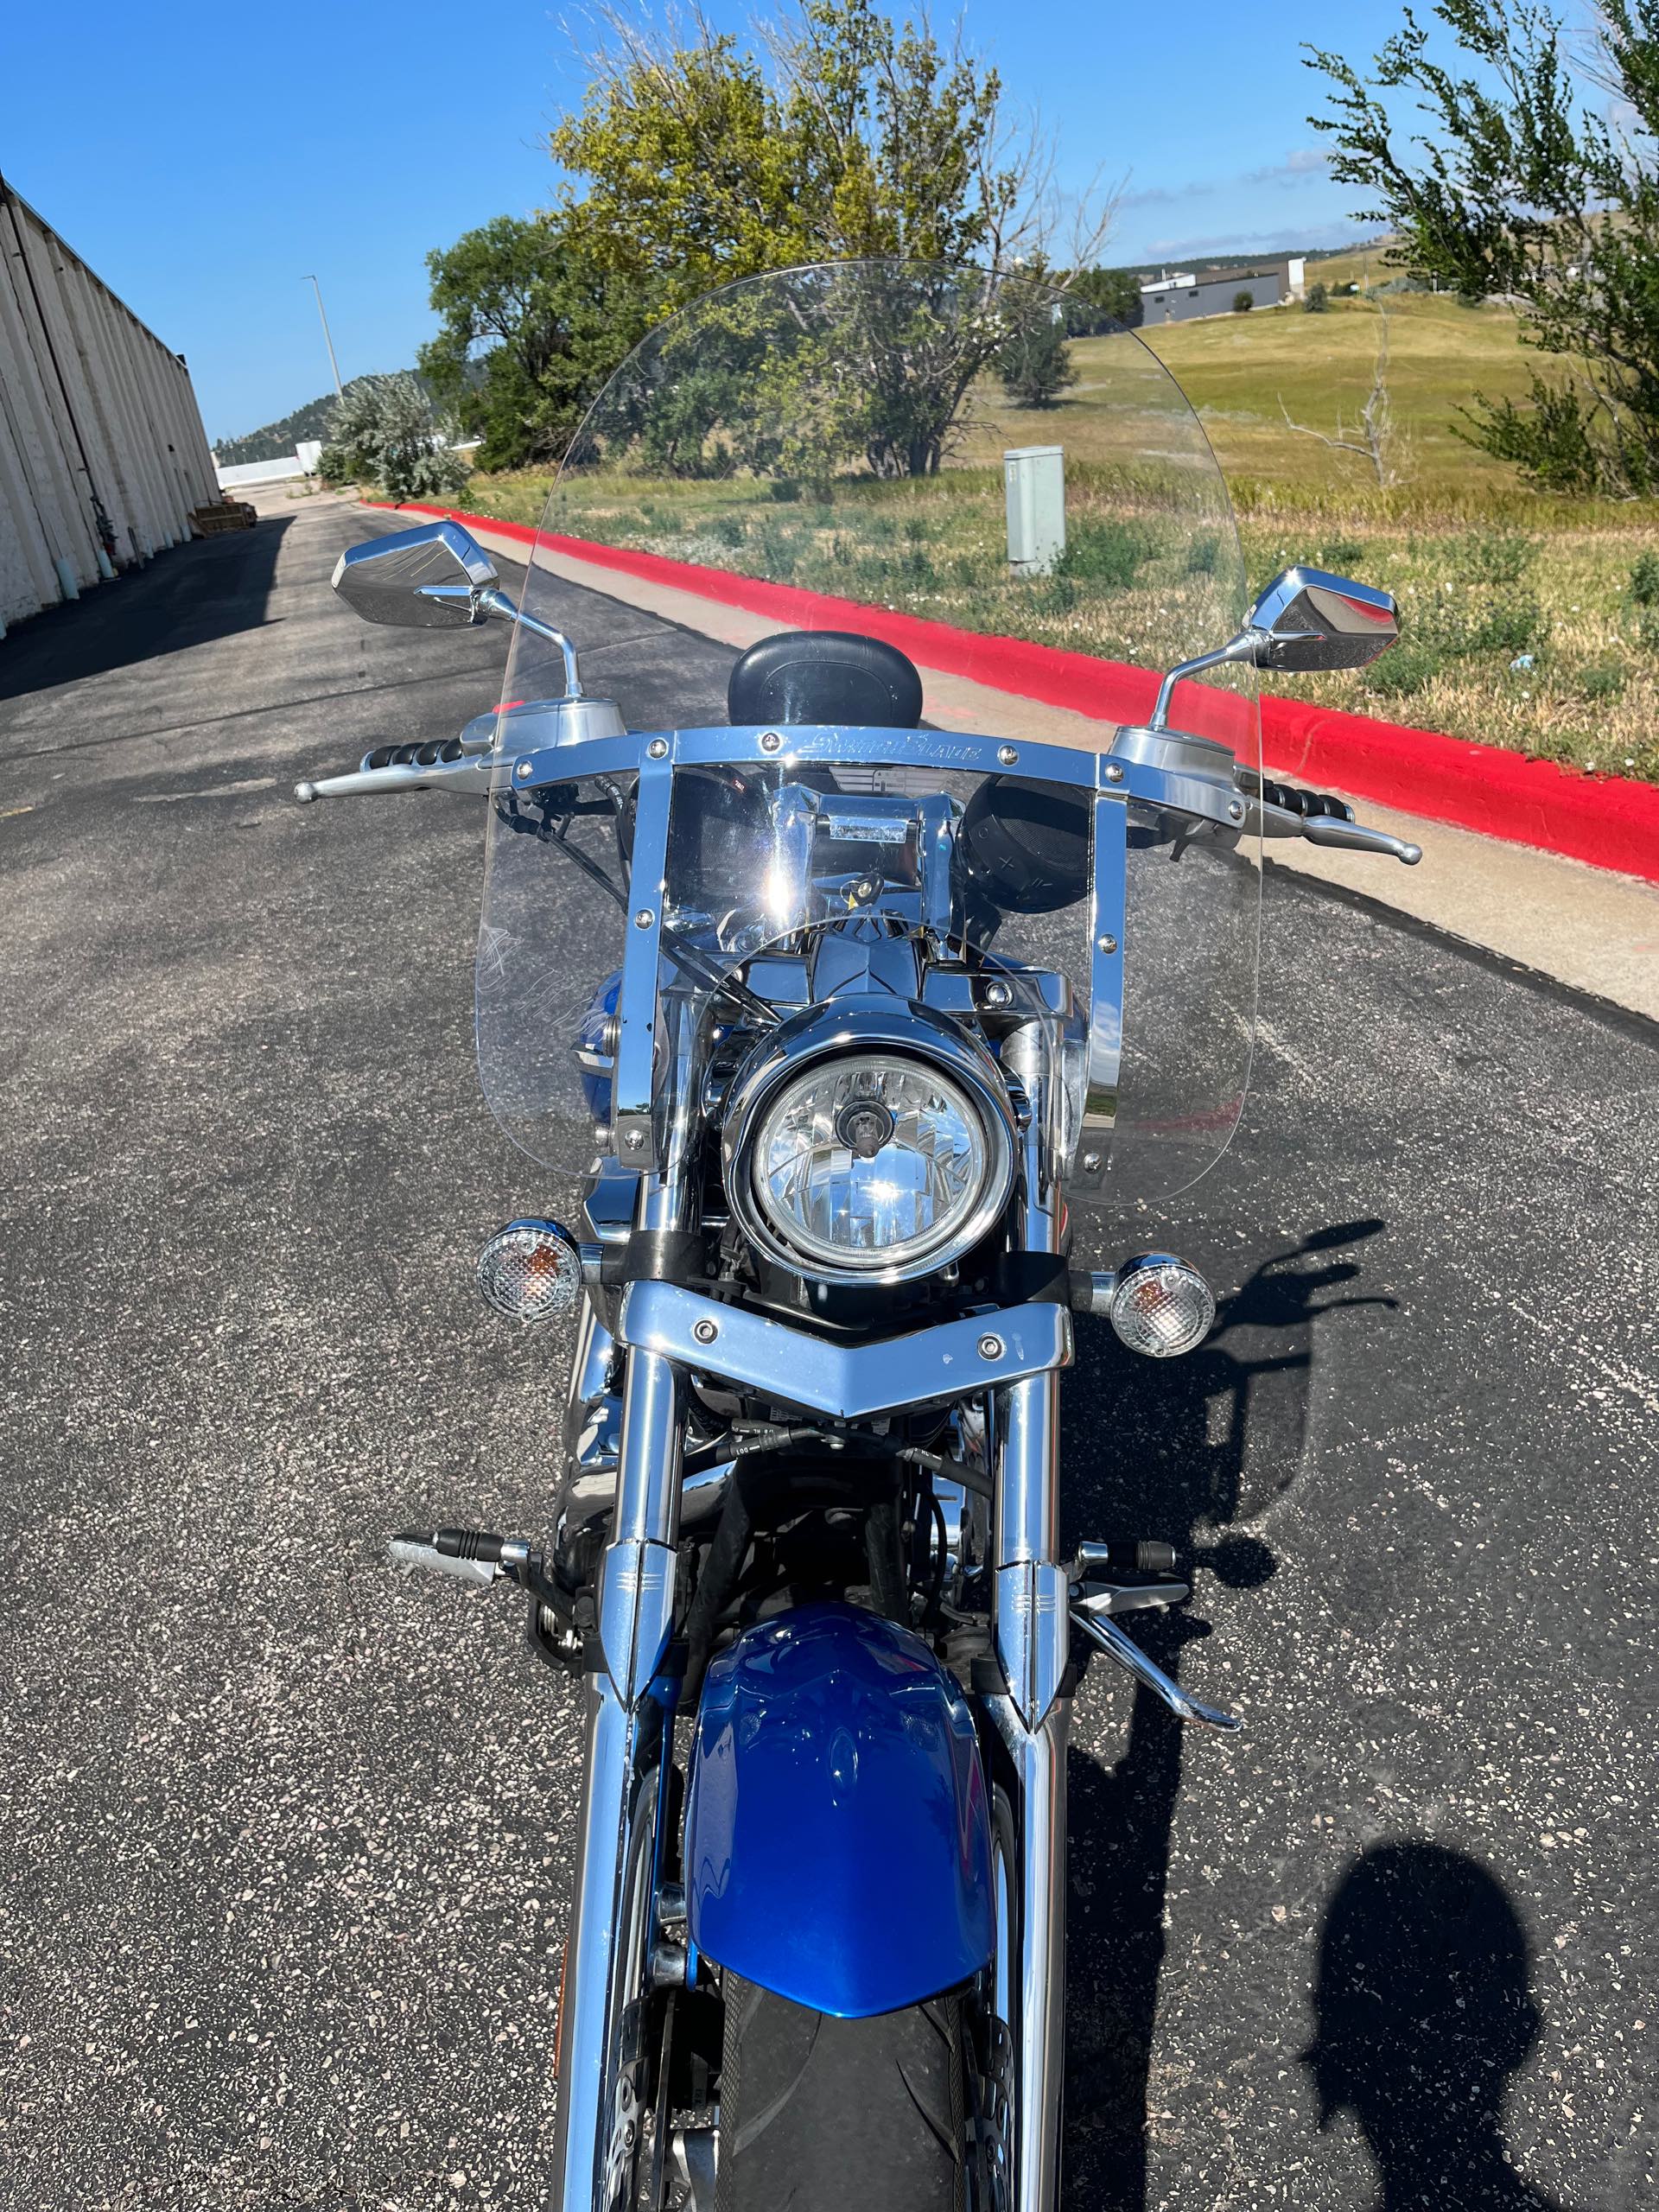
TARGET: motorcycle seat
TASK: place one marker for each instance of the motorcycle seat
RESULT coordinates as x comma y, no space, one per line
824,676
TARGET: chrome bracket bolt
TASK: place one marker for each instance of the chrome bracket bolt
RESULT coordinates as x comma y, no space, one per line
1114,771
1106,943
658,749
990,1347
1007,754
705,1332
1236,809
644,919
769,740
998,995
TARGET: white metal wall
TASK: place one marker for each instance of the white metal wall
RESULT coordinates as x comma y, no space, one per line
102,451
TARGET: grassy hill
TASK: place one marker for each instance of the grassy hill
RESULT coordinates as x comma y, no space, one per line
276,441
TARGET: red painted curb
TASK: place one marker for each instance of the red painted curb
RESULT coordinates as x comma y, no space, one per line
1611,822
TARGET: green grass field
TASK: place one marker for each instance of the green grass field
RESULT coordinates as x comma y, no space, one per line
1529,622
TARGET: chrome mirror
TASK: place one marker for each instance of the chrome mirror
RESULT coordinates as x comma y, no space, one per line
1304,621
1307,620
434,578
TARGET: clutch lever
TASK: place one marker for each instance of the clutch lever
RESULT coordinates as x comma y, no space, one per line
475,772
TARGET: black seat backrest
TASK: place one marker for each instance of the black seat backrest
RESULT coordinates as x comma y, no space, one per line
825,676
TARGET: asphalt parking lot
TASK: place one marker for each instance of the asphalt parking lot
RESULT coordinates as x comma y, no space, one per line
285,1841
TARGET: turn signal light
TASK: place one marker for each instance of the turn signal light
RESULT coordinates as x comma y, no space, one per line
531,1271
1161,1306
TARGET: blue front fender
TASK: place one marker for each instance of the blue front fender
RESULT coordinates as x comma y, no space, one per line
838,1833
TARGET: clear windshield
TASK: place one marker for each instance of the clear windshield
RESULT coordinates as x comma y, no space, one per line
861,450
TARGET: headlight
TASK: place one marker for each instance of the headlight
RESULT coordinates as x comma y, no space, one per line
870,1165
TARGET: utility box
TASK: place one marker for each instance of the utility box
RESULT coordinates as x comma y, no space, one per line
1035,477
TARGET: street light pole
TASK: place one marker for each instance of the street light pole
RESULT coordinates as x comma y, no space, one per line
339,388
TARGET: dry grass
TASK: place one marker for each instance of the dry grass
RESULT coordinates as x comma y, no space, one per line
1527,622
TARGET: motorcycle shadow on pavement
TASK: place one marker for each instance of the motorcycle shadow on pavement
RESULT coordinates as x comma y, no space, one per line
1197,1446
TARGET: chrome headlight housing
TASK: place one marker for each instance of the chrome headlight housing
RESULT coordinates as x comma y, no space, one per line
868,1146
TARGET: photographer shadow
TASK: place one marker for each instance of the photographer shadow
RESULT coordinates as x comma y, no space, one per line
1197,1446
1424,2012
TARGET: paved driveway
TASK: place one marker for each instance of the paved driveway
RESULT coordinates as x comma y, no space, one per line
284,1841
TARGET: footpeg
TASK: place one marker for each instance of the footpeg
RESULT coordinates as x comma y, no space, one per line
468,1554
1110,1639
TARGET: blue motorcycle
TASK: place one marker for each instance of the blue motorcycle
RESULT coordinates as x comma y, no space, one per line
858,1021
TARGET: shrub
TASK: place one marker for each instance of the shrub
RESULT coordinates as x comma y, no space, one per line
383,430
1602,684
1317,301
1107,553
1243,303
1342,556
1644,580
1499,557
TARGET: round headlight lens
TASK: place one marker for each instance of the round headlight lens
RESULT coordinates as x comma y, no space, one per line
875,1161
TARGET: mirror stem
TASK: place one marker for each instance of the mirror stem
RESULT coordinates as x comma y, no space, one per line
495,602
1245,648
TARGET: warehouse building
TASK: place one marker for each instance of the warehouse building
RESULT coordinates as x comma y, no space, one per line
101,452
1187,297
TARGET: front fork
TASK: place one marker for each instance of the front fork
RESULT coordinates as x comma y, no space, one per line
1030,1721
630,1722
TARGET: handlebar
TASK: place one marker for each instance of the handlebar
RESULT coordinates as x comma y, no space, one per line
472,763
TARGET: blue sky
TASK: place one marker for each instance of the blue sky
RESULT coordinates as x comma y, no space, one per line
202,159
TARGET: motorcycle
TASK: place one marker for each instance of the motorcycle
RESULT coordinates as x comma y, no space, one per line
858,1027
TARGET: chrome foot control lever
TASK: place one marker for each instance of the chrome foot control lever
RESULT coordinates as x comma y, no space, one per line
1107,1636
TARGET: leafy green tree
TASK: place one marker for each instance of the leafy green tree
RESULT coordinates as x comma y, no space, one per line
693,165
1536,182
850,138
1317,302
1035,362
1101,298
384,431
531,328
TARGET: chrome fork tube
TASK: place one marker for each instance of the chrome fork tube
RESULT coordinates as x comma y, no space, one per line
1031,1624
629,1735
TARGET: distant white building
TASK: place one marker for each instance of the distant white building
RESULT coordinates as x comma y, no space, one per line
101,452
1185,296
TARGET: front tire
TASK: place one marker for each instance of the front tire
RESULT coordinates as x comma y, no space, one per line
819,2115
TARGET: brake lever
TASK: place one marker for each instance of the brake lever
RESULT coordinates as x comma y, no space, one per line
1112,1641
1357,837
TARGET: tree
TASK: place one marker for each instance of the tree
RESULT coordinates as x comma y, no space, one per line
697,160
1035,362
1317,301
384,431
530,329
1375,439
1101,299
1538,184
1243,303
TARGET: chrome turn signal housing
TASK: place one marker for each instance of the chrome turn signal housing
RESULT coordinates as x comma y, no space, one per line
1160,1307
531,1271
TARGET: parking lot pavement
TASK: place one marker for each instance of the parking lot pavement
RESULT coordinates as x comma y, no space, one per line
284,1840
